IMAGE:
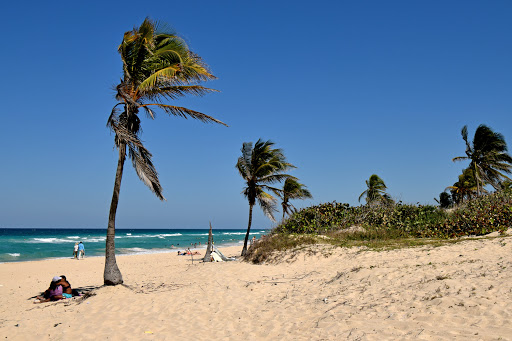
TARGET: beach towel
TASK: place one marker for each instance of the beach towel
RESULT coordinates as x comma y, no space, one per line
216,257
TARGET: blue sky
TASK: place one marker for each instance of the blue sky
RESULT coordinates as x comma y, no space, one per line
347,89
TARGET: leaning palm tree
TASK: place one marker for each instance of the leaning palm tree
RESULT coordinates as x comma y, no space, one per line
293,189
260,167
488,155
376,190
157,66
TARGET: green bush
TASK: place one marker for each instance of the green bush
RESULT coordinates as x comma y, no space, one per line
479,216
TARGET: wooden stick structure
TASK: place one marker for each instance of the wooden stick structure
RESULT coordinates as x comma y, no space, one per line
209,248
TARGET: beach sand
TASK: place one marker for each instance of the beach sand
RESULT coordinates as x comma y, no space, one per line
459,291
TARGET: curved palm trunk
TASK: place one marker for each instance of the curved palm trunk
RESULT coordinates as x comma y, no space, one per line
111,274
244,250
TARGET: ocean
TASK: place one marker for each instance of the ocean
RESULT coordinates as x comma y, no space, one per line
26,244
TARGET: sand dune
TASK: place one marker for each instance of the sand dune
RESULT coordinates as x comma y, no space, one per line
453,292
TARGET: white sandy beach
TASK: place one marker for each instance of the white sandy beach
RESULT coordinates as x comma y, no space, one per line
453,292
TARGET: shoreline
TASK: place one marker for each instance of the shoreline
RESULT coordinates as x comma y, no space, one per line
19,246
174,250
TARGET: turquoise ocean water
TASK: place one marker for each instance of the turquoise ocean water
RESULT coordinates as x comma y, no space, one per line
25,244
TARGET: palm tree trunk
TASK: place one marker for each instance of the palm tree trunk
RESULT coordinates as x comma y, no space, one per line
111,274
478,184
244,250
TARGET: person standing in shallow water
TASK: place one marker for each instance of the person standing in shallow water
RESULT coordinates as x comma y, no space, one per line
81,250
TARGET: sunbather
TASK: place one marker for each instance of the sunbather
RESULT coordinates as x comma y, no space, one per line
53,293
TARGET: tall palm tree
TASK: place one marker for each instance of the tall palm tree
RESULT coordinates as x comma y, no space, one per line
261,166
488,156
293,189
376,190
157,66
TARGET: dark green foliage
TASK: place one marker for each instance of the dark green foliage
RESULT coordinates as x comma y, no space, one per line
479,216
336,216
482,215
465,188
445,200
489,160
319,219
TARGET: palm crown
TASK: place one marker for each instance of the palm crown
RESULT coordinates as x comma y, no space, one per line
157,66
292,189
376,190
465,188
488,156
261,166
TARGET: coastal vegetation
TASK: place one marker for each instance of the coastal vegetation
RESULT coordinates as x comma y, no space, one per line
383,225
470,209
157,67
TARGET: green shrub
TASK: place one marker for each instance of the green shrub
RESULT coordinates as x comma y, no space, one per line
479,216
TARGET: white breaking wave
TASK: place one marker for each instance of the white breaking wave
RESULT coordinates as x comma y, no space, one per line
73,237
134,249
138,250
95,240
14,254
49,240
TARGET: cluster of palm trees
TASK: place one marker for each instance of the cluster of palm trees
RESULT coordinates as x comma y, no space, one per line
262,166
158,66
489,164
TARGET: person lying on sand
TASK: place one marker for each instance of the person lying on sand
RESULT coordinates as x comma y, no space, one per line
188,252
53,293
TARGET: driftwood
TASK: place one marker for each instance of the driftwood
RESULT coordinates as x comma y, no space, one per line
209,248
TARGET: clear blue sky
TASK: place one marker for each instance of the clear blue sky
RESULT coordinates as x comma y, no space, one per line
346,88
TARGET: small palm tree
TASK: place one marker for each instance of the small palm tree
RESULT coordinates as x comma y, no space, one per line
261,166
445,200
488,156
292,190
157,66
466,188
376,190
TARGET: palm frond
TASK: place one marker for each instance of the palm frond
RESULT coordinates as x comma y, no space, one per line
460,158
267,204
174,92
185,113
139,155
